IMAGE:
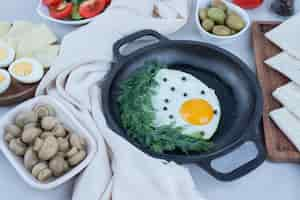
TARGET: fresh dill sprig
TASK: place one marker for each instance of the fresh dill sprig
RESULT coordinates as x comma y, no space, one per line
138,116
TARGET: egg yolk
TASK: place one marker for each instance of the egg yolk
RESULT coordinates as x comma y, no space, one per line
3,54
22,69
2,78
197,112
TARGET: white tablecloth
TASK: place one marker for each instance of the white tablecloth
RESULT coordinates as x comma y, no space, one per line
270,181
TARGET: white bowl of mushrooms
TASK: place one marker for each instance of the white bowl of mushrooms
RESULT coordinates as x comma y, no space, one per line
45,143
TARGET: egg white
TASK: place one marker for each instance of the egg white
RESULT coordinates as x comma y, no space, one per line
36,74
9,58
4,85
193,87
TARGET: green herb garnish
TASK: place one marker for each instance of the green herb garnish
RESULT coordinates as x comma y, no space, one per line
138,115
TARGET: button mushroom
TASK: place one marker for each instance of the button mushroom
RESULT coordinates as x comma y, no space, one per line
8,137
77,158
63,144
17,146
13,130
44,175
57,165
44,110
38,168
30,134
31,125
37,144
77,141
72,152
46,134
25,118
49,148
30,158
59,130
49,122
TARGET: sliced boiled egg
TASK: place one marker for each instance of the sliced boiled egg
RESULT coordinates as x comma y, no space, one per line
5,80
26,70
7,55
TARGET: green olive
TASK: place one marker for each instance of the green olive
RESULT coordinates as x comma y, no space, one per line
217,15
235,22
219,4
221,30
233,32
231,12
208,25
203,13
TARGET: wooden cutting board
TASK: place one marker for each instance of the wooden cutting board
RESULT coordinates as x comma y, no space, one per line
279,148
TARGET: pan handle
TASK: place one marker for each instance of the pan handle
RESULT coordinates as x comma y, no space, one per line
132,38
243,169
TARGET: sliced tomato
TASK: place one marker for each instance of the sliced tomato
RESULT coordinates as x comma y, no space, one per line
62,11
50,3
91,8
107,2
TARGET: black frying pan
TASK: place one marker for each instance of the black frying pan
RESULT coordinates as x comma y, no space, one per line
235,85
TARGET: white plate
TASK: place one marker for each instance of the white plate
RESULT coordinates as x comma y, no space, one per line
215,38
69,122
43,11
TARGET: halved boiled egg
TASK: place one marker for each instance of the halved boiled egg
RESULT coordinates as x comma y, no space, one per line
5,80
26,70
7,55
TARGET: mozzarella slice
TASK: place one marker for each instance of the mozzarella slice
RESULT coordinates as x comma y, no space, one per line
4,28
286,36
287,65
288,123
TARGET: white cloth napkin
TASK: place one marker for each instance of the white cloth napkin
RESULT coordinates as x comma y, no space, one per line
119,171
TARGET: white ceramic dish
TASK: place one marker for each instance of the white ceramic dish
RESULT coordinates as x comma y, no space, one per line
43,11
69,122
214,38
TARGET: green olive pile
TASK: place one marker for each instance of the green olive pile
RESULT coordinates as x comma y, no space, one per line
219,20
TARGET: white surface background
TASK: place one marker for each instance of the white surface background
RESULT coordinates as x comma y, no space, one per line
270,181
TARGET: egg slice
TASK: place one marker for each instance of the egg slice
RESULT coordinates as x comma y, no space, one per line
26,70
5,80
183,100
7,55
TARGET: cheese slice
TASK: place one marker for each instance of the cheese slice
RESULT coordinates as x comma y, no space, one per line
19,29
47,55
286,36
39,38
288,123
287,65
289,96
4,28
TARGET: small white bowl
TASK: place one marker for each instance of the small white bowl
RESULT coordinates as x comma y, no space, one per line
68,120
215,38
43,11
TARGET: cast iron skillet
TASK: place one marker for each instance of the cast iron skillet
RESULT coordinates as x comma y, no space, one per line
235,85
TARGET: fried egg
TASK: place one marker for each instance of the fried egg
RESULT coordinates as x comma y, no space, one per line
185,101
26,70
5,80
7,55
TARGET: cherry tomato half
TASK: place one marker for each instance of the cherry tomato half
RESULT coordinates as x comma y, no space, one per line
62,11
91,8
50,3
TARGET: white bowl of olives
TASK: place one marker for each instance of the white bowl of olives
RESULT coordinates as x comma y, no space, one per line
219,20
45,143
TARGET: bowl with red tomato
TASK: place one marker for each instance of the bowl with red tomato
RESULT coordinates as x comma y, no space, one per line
72,12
